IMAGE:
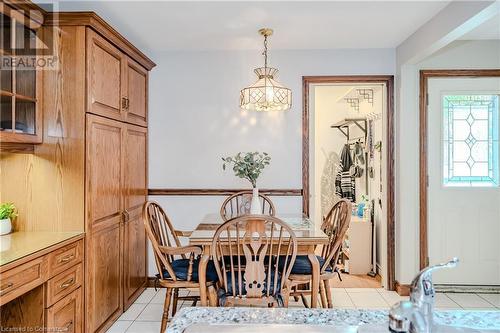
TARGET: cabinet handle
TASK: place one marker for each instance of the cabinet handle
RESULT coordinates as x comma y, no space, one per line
67,283
126,216
7,287
128,103
124,103
65,259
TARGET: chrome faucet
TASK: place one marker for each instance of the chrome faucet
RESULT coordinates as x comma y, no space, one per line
416,315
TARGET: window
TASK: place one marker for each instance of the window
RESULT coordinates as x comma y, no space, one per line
470,140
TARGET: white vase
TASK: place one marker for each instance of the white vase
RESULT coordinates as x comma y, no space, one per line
5,226
255,208
5,243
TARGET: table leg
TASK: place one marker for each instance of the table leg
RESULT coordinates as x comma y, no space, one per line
315,279
202,275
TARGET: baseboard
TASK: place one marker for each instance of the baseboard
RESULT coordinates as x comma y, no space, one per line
467,289
151,282
402,289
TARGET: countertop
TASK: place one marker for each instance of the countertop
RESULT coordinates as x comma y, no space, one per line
20,244
481,320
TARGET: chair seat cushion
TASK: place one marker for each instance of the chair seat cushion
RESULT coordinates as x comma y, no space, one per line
181,266
230,282
302,265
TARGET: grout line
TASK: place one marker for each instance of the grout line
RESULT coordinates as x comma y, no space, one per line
353,304
156,293
458,304
487,301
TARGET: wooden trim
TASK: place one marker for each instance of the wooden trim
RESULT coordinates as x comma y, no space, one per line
388,80
151,283
11,147
220,192
25,11
402,289
424,172
94,21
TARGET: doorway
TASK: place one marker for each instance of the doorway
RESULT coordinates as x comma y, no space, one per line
460,165
348,120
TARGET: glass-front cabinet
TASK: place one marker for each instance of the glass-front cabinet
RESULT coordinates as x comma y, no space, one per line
20,109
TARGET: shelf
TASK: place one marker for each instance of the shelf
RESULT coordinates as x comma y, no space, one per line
343,126
18,97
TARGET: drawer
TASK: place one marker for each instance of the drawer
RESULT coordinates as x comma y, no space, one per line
65,257
67,314
64,283
21,279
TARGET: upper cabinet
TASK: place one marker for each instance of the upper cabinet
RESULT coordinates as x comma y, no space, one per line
20,81
105,82
117,84
136,93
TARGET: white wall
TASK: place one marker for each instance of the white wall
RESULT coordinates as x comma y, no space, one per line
457,55
194,120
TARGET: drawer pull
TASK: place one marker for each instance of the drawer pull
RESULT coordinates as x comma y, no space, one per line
65,259
124,103
67,283
7,287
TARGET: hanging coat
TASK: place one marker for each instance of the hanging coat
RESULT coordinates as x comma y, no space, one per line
344,182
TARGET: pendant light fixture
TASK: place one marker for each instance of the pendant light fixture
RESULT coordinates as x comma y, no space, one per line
266,94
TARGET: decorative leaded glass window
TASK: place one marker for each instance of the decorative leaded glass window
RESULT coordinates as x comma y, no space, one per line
470,140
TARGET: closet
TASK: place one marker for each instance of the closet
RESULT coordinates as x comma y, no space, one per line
106,88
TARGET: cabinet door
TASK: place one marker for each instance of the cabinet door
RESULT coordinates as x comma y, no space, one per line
104,275
104,201
21,85
104,170
135,191
104,77
137,91
134,257
67,314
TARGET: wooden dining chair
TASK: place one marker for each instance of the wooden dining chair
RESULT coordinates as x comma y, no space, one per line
253,256
177,265
335,226
239,204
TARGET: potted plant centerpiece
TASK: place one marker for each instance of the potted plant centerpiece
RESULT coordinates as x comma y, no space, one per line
249,166
7,212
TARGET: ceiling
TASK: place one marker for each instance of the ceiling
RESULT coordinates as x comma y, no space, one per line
208,25
488,30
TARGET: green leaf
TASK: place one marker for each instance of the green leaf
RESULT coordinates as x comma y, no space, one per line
248,165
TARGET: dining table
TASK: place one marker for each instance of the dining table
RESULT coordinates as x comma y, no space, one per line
309,236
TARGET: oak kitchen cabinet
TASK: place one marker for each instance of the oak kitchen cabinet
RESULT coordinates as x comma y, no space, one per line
112,87
21,84
93,155
43,287
117,85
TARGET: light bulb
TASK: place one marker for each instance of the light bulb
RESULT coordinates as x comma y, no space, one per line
269,94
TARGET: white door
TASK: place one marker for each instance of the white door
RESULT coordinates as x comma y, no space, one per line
464,192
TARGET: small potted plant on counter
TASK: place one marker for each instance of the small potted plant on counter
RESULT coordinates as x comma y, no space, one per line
249,166
7,212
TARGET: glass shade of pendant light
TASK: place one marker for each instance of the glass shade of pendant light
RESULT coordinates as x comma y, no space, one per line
266,94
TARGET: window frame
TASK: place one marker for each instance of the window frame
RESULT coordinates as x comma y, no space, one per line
471,185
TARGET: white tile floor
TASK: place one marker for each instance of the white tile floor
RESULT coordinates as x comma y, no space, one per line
145,314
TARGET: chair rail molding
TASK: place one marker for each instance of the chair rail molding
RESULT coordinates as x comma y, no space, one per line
219,192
